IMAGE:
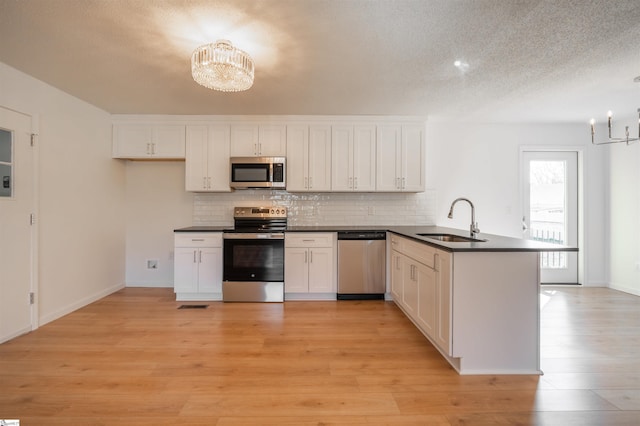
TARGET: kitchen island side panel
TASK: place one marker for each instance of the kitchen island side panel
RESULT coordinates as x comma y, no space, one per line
496,312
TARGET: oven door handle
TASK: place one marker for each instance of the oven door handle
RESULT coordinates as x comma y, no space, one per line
253,236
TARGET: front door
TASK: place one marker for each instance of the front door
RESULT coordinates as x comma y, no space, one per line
550,210
16,232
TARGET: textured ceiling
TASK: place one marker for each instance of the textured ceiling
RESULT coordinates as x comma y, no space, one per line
562,60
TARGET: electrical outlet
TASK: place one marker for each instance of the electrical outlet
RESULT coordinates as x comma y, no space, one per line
152,263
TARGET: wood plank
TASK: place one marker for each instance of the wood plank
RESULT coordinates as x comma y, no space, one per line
133,358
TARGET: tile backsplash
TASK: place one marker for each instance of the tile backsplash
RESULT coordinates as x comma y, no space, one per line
318,209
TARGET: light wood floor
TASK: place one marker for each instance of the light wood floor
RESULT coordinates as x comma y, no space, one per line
132,358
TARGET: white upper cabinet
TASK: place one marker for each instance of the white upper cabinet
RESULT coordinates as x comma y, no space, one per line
353,154
207,158
149,141
400,158
253,140
308,158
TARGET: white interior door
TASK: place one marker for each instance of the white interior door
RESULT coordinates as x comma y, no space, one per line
16,231
550,210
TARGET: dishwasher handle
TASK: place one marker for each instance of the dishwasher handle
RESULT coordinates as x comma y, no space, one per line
362,235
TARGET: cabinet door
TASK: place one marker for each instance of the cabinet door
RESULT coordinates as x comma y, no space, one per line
210,270
272,140
397,275
364,158
148,141
427,300
297,158
196,167
218,158
444,288
342,158
321,266
413,158
319,158
388,149
296,270
132,141
244,140
410,288
168,141
185,270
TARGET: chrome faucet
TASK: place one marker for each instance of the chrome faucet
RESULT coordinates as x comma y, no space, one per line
474,225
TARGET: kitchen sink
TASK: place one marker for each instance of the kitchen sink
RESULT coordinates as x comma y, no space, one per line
451,238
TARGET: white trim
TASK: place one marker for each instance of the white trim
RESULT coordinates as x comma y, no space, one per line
79,304
582,194
625,289
14,334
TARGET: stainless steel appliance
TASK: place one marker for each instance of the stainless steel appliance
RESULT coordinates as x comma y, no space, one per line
253,255
258,172
361,265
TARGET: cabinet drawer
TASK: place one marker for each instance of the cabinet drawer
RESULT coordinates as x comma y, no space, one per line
198,239
420,252
311,239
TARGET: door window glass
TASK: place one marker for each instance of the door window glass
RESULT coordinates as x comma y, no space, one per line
548,211
6,176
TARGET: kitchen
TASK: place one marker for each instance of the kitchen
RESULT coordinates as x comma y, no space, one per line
138,204
103,224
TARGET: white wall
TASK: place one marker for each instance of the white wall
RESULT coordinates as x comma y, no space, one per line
81,196
156,204
482,162
624,199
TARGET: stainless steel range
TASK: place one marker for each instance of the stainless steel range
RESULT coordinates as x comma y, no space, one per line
253,252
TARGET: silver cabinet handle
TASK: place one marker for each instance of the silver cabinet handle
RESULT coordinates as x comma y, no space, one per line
311,256
310,182
199,256
194,256
524,224
306,257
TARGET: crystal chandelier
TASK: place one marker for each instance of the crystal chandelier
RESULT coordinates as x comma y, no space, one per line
220,66
626,139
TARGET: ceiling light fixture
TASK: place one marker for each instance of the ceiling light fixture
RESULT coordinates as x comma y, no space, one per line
221,66
611,140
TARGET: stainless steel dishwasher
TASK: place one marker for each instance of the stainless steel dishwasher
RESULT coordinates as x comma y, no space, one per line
361,265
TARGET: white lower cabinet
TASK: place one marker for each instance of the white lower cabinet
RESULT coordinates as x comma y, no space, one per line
198,266
310,266
421,286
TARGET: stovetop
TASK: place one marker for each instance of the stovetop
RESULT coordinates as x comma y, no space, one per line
260,219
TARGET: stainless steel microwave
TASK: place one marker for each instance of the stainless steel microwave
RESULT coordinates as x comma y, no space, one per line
258,172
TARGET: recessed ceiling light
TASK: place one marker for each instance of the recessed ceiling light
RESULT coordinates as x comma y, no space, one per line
461,65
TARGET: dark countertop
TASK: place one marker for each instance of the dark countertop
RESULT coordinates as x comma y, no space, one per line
204,229
493,243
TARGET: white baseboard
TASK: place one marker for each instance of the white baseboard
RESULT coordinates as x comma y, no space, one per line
78,304
149,284
626,289
8,337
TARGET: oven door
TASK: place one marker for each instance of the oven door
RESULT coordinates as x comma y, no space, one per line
253,257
